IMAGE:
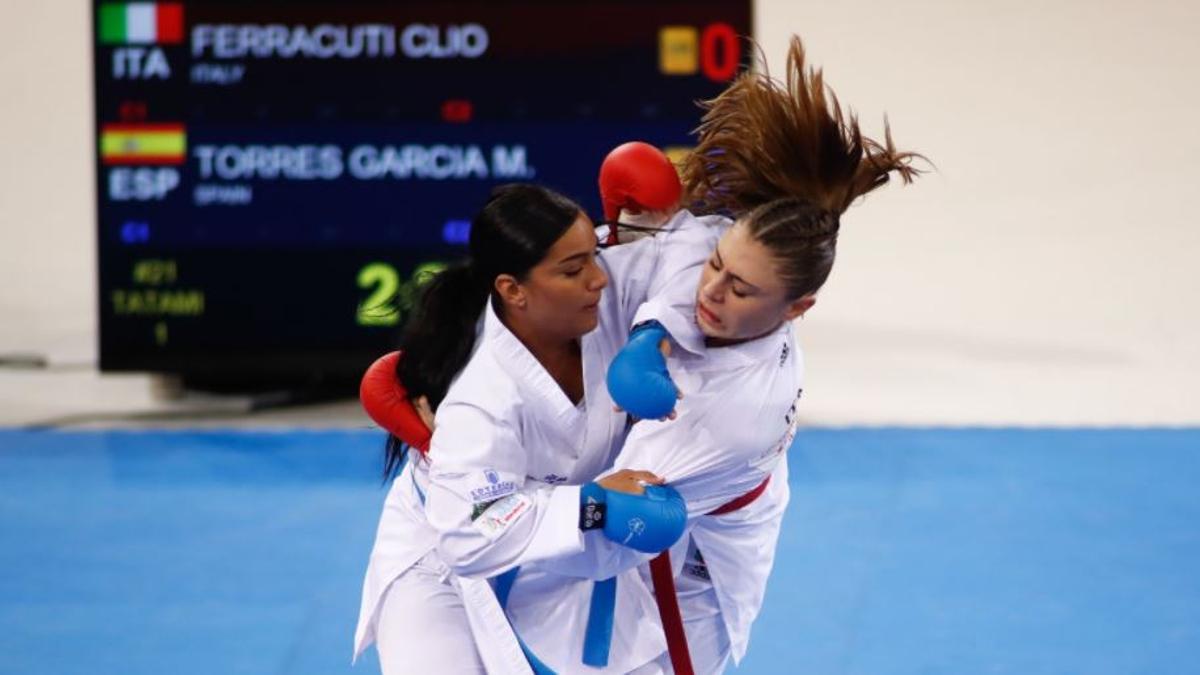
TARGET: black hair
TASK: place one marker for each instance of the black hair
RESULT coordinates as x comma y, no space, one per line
510,235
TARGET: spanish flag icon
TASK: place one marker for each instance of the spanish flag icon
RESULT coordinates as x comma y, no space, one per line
146,143
143,23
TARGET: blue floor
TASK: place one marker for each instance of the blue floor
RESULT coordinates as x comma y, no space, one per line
905,551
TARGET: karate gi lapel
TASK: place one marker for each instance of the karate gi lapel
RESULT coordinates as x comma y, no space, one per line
701,358
532,379
605,428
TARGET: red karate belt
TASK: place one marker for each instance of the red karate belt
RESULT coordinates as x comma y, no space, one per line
664,589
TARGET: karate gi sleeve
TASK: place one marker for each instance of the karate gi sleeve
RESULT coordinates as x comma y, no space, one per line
682,251
486,519
601,558
685,452
648,268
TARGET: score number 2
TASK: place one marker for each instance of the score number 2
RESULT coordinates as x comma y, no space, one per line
380,307
388,296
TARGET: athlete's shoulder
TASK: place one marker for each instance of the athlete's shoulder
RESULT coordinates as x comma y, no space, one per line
486,385
685,220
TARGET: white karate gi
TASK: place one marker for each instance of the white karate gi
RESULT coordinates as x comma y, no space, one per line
735,422
734,425
501,485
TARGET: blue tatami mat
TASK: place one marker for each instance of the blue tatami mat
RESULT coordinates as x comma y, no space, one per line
955,552
905,551
181,553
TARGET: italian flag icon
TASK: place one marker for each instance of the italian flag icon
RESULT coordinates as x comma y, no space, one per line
141,23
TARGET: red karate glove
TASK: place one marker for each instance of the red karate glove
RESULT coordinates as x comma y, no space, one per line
639,177
386,401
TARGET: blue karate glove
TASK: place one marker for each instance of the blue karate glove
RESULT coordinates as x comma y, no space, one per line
638,380
650,522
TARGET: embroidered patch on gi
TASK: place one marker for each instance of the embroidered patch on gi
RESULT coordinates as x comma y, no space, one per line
501,514
495,488
694,565
480,507
548,479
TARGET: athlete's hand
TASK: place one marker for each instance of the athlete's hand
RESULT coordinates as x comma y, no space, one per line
634,509
629,481
665,348
630,384
385,400
638,176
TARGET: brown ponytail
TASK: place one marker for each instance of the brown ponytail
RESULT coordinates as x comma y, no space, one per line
787,158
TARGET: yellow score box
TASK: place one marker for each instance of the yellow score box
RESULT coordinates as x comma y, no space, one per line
677,154
678,50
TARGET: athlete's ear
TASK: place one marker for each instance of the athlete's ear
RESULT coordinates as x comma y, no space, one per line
511,293
798,307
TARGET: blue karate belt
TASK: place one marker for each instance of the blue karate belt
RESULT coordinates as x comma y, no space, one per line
597,636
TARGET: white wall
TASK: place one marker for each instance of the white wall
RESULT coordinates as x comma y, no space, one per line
1045,272
47,197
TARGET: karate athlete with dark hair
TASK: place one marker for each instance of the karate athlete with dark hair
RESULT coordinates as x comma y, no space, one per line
524,425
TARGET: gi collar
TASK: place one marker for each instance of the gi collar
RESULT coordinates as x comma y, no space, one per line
700,357
523,367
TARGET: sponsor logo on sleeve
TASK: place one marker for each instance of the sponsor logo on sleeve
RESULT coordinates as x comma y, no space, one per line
500,515
495,488
478,509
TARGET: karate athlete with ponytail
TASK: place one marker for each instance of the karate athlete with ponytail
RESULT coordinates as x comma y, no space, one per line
524,425
787,163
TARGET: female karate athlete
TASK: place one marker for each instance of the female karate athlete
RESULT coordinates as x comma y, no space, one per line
523,429
788,156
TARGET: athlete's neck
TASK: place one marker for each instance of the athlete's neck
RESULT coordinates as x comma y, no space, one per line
729,342
560,357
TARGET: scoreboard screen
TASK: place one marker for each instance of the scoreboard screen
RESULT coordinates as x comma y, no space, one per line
274,177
